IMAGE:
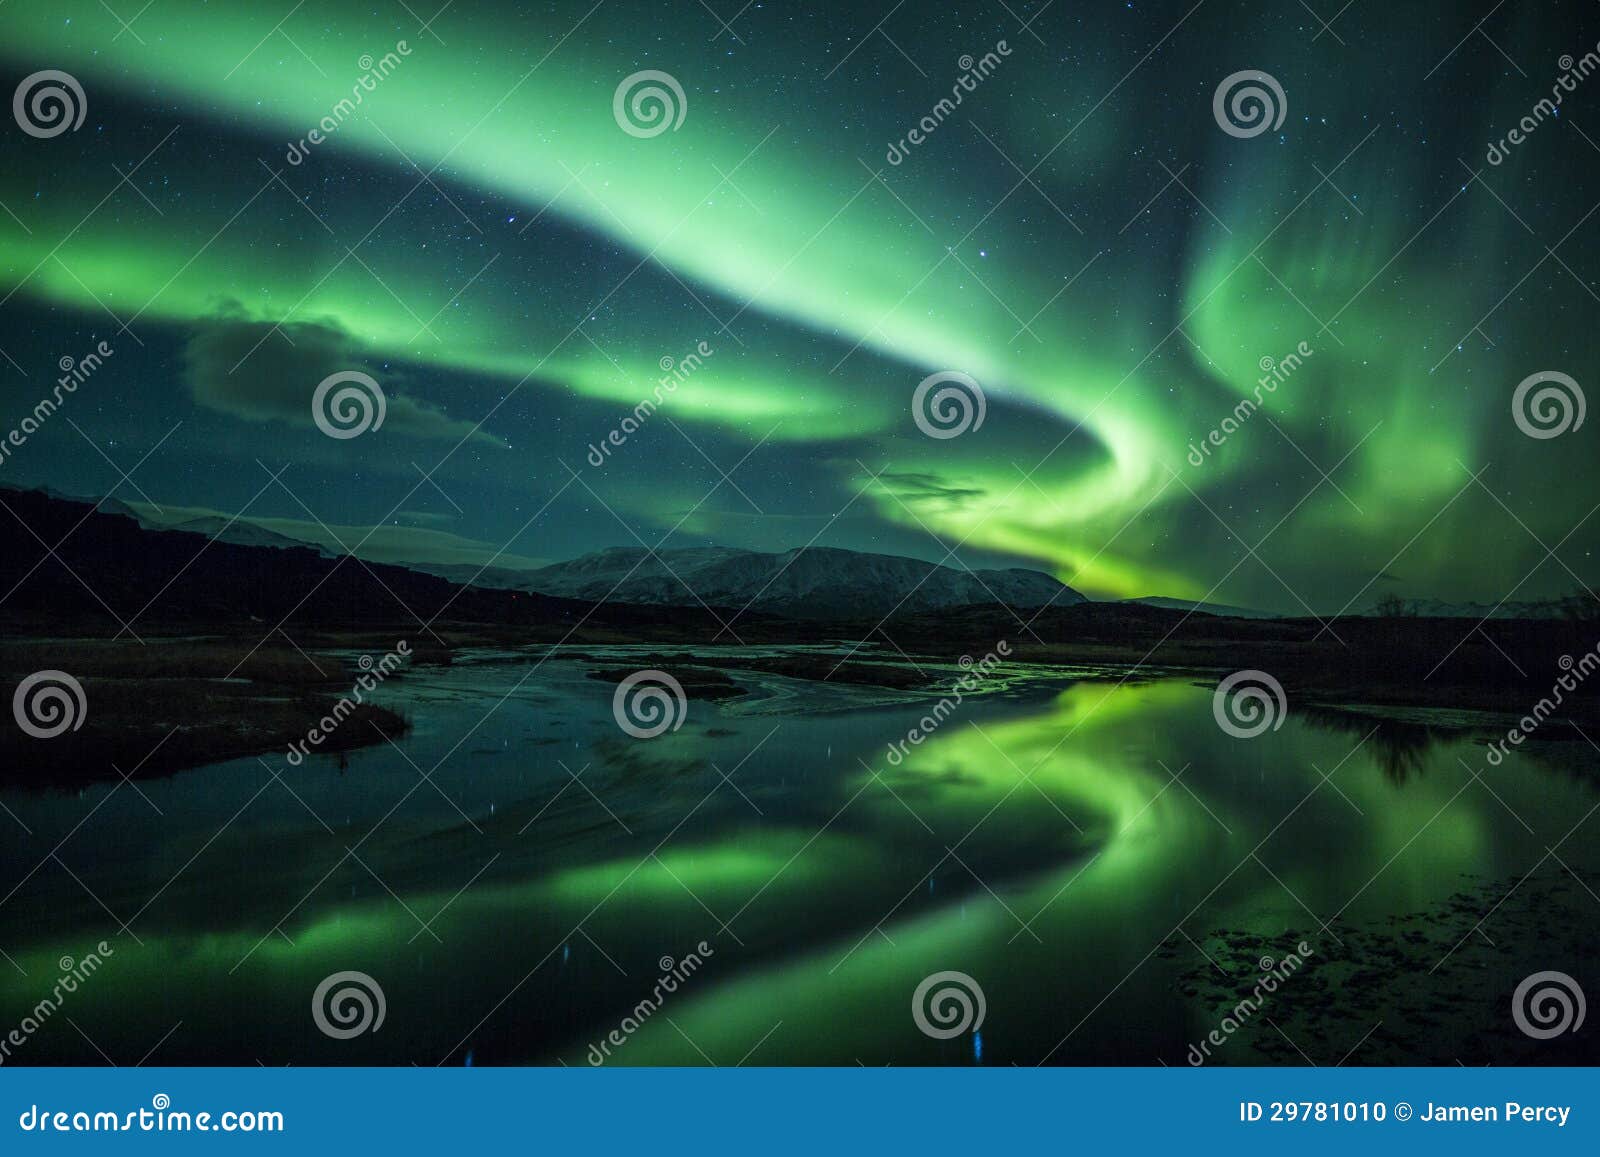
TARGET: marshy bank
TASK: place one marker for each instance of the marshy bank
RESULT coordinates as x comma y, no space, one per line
91,709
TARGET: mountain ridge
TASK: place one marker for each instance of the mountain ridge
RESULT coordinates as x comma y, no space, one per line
804,582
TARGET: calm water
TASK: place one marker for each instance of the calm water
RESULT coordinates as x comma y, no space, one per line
1037,842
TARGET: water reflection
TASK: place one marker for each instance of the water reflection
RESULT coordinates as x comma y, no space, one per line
1401,748
1047,840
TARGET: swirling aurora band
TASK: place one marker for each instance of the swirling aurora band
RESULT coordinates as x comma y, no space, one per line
1111,267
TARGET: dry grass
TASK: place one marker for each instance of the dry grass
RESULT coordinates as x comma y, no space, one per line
165,705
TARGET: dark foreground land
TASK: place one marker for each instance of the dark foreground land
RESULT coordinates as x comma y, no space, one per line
166,704
1431,983
200,693
193,650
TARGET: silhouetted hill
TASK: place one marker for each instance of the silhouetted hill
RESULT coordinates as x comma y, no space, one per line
68,563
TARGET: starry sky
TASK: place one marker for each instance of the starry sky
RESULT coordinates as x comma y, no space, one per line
1080,236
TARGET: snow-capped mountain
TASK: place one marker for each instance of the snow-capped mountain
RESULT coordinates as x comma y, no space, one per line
241,533
1221,609
812,582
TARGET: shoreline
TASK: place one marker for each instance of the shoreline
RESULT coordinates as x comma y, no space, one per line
155,710
208,693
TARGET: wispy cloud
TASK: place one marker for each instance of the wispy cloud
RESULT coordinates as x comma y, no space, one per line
249,369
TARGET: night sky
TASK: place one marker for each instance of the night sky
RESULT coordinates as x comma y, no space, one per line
1079,235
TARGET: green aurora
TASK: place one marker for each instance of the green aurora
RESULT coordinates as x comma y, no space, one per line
1115,304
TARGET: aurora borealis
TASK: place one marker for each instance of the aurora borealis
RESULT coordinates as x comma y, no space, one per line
1079,235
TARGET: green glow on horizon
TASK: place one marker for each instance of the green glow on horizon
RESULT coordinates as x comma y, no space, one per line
847,292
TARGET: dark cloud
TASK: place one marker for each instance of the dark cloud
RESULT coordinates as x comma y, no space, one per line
924,487
265,373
